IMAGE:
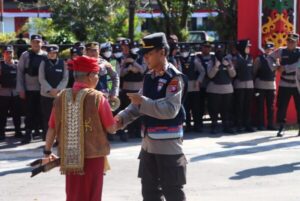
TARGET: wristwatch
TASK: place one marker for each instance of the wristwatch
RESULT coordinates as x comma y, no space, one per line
47,152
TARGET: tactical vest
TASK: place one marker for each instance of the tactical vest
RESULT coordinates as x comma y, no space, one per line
264,72
8,78
188,68
54,73
134,77
205,61
222,76
102,84
244,68
156,88
34,63
288,58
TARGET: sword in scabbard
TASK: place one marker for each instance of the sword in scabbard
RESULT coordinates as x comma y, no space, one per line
38,166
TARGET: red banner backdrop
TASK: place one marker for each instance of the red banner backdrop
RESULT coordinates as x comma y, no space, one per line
249,15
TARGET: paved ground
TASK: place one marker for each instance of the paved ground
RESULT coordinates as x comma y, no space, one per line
245,167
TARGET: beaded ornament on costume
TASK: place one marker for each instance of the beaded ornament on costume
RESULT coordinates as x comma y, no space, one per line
72,136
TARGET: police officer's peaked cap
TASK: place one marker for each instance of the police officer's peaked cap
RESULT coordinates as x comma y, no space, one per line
153,41
269,45
134,44
293,36
52,48
79,44
117,48
123,41
206,44
36,37
8,48
184,46
73,50
92,46
105,46
220,46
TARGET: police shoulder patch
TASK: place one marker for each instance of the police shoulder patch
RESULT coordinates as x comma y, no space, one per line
173,86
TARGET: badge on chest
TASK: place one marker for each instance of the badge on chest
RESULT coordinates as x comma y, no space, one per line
161,83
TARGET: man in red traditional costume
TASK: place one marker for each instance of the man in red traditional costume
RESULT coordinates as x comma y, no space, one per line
80,120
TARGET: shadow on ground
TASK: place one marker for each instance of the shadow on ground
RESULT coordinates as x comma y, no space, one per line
266,171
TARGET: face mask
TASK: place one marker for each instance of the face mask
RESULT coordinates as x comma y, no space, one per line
135,50
118,55
184,54
107,54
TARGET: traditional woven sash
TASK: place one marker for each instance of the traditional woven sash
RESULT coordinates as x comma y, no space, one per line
72,136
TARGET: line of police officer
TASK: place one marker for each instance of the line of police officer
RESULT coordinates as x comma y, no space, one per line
232,83
225,82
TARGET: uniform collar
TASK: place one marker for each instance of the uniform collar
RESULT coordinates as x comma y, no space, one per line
162,72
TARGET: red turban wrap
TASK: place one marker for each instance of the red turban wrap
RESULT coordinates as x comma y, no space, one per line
85,64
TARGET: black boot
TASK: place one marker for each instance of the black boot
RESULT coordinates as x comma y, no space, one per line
27,138
213,129
18,134
2,137
280,130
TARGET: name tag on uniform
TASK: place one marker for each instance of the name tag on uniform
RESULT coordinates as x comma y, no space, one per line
13,72
249,65
58,70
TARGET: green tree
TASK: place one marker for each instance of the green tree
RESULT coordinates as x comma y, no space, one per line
47,28
93,20
176,14
226,21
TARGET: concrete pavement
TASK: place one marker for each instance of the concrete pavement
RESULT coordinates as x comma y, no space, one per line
245,167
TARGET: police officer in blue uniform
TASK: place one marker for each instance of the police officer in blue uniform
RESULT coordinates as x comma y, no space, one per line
28,86
265,87
244,87
191,66
132,75
220,90
289,80
53,77
106,51
9,99
159,104
207,60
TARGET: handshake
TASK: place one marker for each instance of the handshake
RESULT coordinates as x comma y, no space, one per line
136,99
118,122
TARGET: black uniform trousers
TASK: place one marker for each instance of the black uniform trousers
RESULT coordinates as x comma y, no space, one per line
202,104
243,107
162,176
191,106
33,120
134,128
13,105
283,99
46,108
220,104
266,97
